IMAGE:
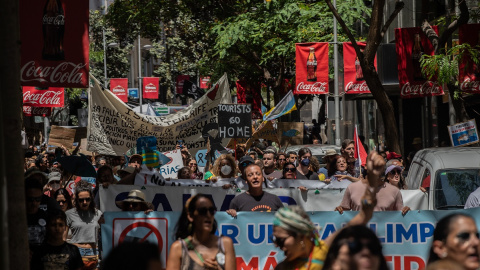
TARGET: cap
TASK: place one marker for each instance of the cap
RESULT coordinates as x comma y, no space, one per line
392,167
246,159
134,195
393,155
136,156
127,169
392,162
417,140
54,176
330,152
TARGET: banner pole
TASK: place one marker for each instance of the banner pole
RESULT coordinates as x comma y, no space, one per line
140,90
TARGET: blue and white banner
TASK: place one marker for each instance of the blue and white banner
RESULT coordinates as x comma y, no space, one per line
406,239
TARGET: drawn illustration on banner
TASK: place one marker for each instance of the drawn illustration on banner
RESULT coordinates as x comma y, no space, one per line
311,68
469,72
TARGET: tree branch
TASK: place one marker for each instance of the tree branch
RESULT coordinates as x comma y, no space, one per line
463,19
399,5
431,34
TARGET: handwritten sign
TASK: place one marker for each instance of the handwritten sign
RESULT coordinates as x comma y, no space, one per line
235,120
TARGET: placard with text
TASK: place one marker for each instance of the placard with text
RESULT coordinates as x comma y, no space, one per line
235,120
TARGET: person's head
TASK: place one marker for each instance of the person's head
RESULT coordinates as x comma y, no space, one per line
135,201
135,161
269,160
348,147
192,164
393,175
254,177
41,163
253,155
105,175
281,160
197,216
289,171
225,166
338,163
293,232
84,197
240,151
243,163
101,162
63,198
33,195
304,155
124,172
355,247
456,238
292,156
184,173
146,254
56,225
314,164
54,180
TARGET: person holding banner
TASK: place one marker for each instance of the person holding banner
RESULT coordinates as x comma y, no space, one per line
224,167
197,246
303,171
341,175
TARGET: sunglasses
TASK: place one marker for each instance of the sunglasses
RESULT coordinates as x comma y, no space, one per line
34,199
289,169
204,210
84,199
192,164
61,202
393,172
355,247
465,236
282,159
279,242
245,164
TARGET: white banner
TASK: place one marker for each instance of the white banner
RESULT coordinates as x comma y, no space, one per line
113,128
167,198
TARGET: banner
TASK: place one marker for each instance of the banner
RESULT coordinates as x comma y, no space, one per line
37,111
114,127
50,97
251,94
406,240
469,72
171,195
311,68
290,133
465,133
150,87
411,44
204,82
119,88
54,43
235,120
180,79
353,74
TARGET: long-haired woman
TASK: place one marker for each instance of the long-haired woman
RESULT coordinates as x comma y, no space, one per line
197,246
63,199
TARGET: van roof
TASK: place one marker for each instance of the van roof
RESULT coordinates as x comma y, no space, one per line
449,157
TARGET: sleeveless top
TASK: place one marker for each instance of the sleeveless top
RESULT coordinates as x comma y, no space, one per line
189,264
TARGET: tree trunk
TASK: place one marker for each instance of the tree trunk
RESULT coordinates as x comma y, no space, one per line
461,114
14,238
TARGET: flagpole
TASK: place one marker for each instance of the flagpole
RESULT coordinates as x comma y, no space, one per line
335,68
140,92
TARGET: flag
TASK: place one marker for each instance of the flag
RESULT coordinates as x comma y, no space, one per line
360,152
192,90
285,106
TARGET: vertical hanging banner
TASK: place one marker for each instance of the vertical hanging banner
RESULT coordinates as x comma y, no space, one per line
312,68
353,74
469,72
180,81
248,93
37,111
204,82
411,44
150,87
49,97
119,88
55,44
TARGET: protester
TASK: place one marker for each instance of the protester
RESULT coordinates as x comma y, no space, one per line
341,176
83,223
348,148
55,253
184,173
46,202
255,199
292,157
224,167
142,175
240,181
303,171
197,246
269,165
147,257
101,161
473,199
289,171
124,172
327,159
63,199
35,216
393,175
105,176
196,173
456,238
53,184
281,160
135,202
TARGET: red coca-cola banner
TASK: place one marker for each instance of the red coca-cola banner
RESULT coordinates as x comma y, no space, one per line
36,111
204,82
180,80
150,87
353,74
119,88
50,97
54,36
411,44
250,93
469,72
312,68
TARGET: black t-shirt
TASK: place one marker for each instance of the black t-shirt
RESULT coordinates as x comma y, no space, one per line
309,176
266,202
36,227
65,256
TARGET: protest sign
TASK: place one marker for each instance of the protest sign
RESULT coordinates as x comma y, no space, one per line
171,169
462,134
114,127
235,120
61,136
290,133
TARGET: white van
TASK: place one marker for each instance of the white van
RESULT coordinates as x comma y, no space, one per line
448,174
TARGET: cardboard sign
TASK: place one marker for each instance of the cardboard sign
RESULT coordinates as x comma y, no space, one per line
235,120
290,133
170,170
465,133
83,147
61,136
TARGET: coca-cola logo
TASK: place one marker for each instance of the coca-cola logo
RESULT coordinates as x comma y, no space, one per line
43,98
357,87
469,85
150,88
65,72
425,89
55,20
30,111
313,88
119,90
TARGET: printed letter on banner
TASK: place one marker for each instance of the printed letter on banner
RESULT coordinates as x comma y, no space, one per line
469,71
150,87
55,46
411,44
119,88
353,75
50,97
312,68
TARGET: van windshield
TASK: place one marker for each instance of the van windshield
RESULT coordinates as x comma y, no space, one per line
453,186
